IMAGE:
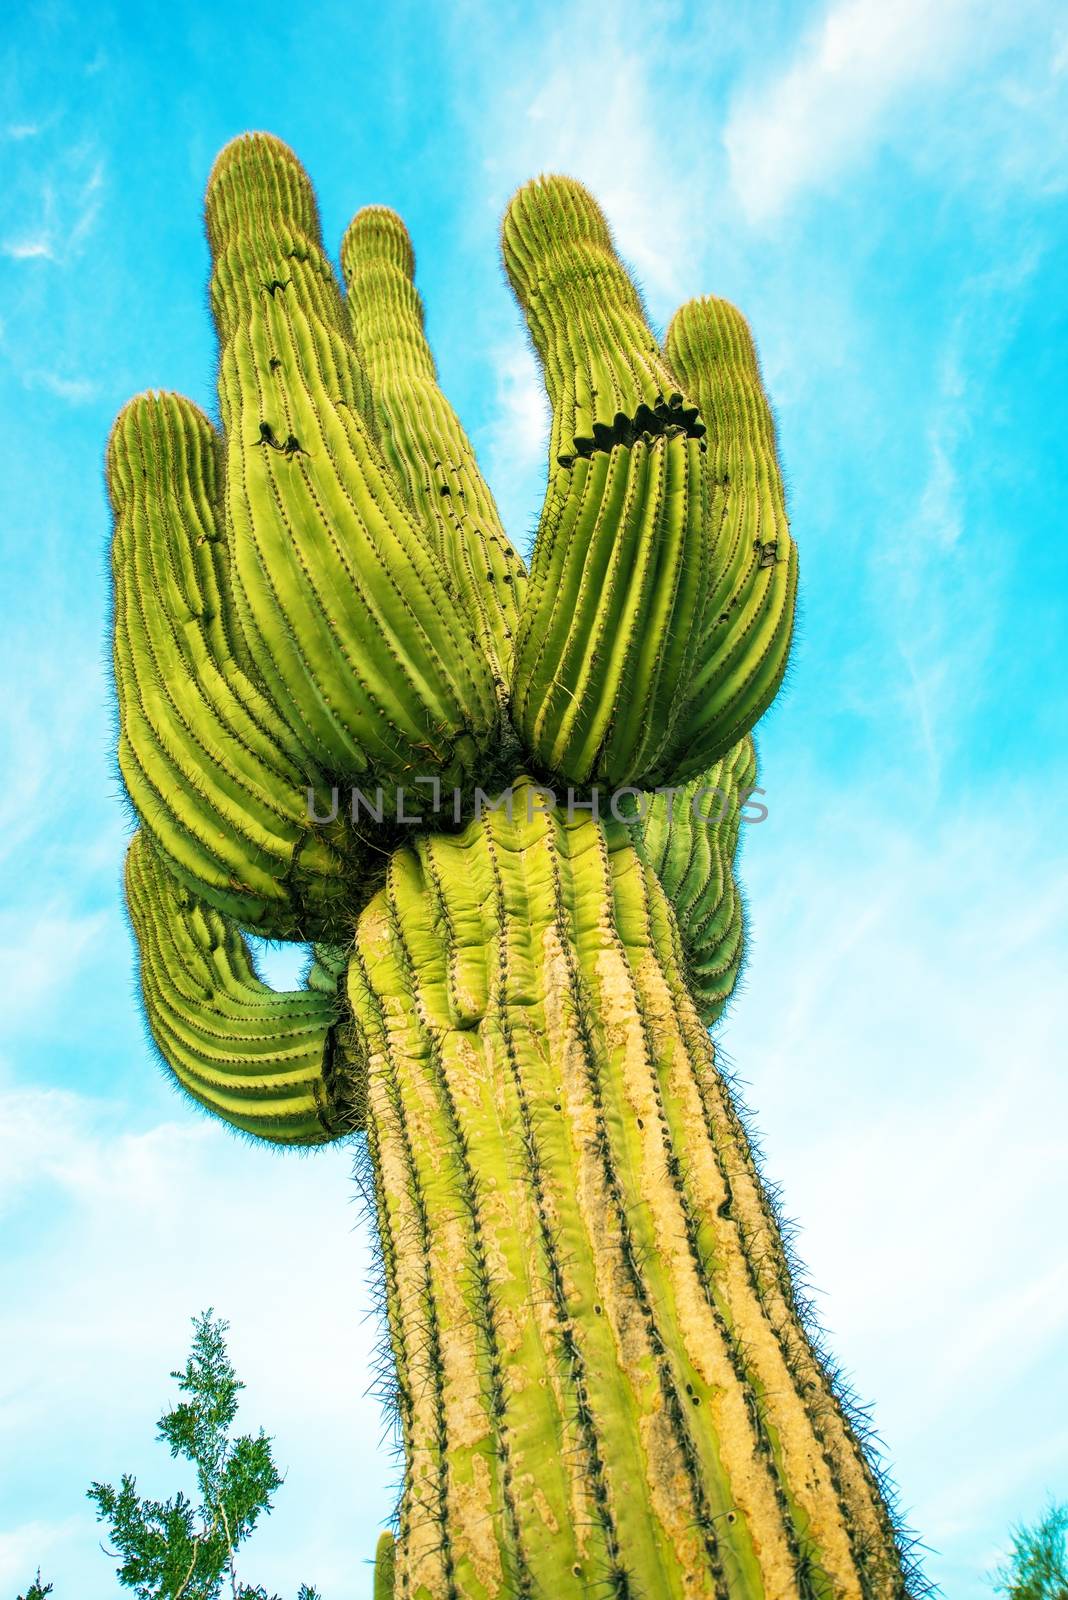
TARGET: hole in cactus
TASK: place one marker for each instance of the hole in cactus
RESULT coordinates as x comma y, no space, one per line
282,966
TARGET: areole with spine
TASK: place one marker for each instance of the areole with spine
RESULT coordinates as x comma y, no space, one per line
603,1378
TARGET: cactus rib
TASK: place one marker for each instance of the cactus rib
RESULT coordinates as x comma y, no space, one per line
198,747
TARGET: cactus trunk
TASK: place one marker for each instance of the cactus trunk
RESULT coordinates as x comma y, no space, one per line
603,1381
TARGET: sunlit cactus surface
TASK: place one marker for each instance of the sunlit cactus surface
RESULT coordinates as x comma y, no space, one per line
600,1369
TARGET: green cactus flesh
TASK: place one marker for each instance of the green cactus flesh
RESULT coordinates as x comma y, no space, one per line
689,836
602,1377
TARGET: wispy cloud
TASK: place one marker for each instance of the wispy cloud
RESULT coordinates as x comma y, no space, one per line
576,111
67,206
21,1548
87,208
33,126
935,564
854,84
77,391
29,249
514,445
41,952
538,118
43,731
643,197
903,1052
115,1238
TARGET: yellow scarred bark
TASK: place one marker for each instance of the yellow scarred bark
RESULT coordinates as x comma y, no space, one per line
604,1385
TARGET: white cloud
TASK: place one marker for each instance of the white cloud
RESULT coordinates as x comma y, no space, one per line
537,118
87,208
115,1238
68,206
935,565
645,197
43,735
74,390
40,953
25,745
909,1073
855,83
20,1549
514,446
597,114
37,248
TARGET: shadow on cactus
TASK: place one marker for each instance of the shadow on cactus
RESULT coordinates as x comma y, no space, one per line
604,1378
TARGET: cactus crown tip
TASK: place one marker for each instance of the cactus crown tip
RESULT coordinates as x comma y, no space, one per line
377,233
148,424
256,177
711,323
553,201
549,215
126,436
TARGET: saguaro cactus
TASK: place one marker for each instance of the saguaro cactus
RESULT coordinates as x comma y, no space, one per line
602,1376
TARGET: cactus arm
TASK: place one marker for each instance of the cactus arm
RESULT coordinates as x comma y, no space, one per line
366,652
611,620
422,437
749,622
603,1377
261,1060
384,1567
689,836
604,372
198,749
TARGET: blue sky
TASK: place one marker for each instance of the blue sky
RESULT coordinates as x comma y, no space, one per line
881,185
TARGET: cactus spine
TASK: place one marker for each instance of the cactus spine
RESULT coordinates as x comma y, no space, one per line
602,1377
